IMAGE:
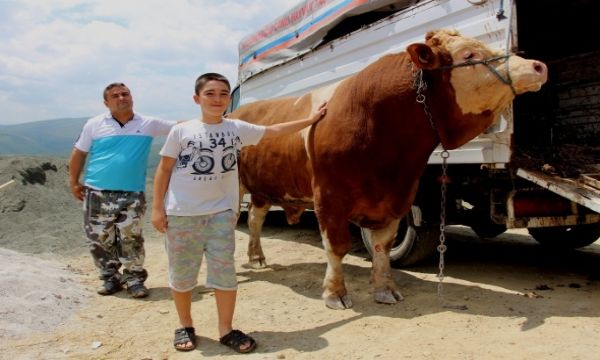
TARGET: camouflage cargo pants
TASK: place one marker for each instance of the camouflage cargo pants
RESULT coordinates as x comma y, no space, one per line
113,225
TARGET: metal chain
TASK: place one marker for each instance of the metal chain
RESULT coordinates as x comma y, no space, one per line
420,86
442,248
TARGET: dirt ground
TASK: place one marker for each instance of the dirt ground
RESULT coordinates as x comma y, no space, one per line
521,303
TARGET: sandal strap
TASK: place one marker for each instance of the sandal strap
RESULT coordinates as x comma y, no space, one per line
183,335
236,338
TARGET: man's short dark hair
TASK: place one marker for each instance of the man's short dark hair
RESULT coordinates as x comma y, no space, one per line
110,86
204,78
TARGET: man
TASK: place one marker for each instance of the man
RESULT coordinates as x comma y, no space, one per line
113,198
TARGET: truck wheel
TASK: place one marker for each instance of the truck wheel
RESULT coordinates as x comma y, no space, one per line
566,237
412,244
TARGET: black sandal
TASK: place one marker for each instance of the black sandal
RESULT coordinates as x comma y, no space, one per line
235,339
182,337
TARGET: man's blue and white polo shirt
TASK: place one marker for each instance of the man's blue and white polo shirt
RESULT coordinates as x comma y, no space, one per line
119,154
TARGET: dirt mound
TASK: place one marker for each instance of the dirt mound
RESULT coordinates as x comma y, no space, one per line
39,184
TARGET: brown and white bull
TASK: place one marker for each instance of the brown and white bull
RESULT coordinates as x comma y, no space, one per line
362,162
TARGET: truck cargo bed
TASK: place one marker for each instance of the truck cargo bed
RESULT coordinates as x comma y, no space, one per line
556,137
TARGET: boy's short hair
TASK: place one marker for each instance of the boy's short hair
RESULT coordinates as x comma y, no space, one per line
112,85
204,78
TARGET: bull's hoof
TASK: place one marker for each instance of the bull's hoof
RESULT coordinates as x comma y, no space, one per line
338,303
257,264
388,296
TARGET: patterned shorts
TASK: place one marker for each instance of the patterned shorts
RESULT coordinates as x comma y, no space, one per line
191,237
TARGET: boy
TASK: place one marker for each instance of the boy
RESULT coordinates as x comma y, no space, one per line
196,198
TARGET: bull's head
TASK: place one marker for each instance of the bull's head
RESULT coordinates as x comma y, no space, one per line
484,81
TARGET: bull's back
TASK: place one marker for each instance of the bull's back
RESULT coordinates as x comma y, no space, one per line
277,169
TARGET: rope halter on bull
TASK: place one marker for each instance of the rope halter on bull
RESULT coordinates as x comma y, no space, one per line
506,81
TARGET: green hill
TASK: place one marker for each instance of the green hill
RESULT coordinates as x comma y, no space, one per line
15,144
48,137
52,137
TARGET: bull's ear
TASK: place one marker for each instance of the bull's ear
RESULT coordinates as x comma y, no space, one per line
423,56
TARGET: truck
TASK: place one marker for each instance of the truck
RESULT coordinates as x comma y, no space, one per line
536,168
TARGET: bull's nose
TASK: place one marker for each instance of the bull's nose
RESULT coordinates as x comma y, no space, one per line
540,68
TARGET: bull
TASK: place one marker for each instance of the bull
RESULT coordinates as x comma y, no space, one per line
362,162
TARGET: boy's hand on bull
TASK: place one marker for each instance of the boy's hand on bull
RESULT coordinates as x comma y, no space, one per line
321,111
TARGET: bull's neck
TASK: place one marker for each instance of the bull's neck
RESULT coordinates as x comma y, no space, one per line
390,100
385,113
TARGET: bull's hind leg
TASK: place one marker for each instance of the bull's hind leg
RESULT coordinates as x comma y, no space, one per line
385,288
256,218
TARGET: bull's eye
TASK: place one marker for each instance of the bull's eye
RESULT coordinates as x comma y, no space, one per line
469,56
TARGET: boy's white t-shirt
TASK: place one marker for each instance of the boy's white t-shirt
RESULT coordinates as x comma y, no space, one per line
205,177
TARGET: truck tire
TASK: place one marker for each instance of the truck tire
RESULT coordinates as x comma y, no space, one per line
412,244
566,237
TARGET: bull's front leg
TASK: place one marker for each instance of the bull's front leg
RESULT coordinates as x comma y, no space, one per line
337,243
386,290
256,219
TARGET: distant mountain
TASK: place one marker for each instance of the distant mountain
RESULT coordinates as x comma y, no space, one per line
52,137
48,137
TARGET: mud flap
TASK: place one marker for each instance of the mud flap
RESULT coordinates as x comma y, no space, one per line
584,190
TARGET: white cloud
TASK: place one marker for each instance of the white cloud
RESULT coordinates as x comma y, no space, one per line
57,55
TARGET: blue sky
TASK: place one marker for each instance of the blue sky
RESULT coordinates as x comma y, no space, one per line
56,56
